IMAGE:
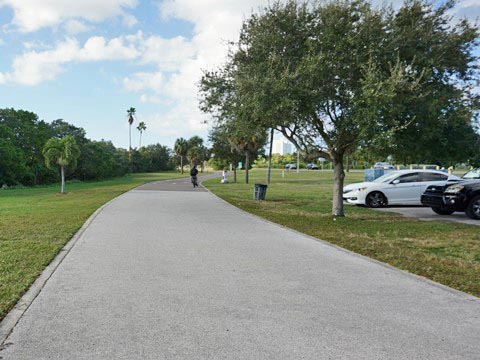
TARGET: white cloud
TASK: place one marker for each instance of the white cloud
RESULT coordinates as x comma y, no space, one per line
33,67
32,15
469,9
73,27
183,120
144,81
168,54
215,23
129,20
469,3
152,99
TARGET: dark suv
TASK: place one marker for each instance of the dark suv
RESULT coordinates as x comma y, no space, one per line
462,196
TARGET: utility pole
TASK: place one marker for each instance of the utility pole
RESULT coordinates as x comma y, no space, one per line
298,161
269,171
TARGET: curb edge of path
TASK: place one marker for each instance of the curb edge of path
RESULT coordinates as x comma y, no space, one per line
459,293
12,318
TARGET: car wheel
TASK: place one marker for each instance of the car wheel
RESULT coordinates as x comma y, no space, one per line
442,211
376,200
473,208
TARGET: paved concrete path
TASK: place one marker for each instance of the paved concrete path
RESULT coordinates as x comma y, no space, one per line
183,275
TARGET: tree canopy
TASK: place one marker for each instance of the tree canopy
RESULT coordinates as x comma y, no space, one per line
336,76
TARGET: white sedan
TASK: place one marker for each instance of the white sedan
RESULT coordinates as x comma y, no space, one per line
402,187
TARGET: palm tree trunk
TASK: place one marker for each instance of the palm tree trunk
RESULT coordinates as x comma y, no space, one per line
62,170
181,162
130,143
140,142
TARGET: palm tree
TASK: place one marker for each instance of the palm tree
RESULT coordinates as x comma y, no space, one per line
63,152
141,127
131,117
181,149
194,152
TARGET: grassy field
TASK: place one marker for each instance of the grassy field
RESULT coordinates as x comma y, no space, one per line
35,223
448,253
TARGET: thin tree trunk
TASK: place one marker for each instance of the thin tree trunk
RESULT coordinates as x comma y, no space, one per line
140,142
247,165
338,178
269,171
234,173
62,170
181,162
130,143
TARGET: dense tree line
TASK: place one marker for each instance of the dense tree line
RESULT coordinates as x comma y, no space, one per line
23,136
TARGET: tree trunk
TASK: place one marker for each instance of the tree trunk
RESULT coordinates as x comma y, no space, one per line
269,171
181,162
338,178
62,170
247,165
140,142
130,143
234,174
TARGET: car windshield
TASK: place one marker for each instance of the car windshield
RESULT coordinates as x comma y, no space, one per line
386,178
473,174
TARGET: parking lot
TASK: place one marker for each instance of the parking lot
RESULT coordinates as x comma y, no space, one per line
425,213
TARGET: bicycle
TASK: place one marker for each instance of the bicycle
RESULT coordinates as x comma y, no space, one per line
194,181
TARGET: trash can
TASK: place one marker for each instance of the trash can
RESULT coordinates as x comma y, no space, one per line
259,191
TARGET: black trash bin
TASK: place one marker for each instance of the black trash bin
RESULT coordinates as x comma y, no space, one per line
259,191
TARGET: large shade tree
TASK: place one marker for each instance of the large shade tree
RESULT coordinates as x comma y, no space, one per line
331,76
62,152
223,153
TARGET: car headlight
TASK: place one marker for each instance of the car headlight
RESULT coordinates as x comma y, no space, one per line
454,189
346,191
361,189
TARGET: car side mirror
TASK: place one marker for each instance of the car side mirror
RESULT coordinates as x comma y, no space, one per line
395,182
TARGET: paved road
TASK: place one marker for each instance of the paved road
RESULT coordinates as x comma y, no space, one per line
425,213
179,274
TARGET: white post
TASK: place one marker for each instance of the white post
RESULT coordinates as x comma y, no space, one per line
224,174
283,173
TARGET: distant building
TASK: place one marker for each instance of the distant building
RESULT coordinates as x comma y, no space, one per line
282,147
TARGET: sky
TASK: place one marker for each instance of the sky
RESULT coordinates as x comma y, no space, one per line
88,61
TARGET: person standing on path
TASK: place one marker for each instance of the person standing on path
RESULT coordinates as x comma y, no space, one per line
193,174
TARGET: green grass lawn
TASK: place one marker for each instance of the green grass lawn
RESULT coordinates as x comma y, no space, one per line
35,223
445,252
